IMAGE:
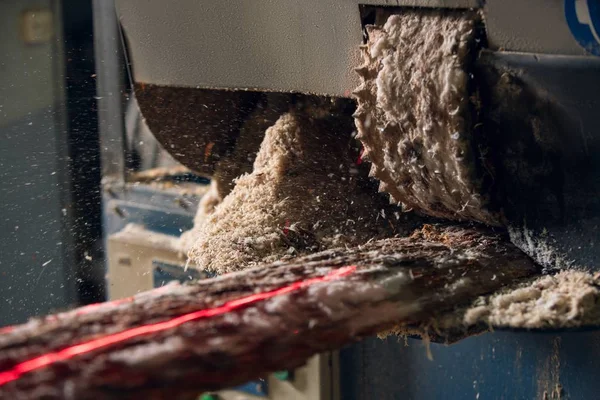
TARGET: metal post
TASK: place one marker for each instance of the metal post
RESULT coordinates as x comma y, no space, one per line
110,77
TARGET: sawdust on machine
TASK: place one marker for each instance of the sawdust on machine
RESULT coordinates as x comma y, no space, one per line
305,193
568,299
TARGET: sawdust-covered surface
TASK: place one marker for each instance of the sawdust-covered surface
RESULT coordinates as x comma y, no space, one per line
308,191
416,112
568,299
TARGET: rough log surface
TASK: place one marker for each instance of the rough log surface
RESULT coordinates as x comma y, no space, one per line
395,280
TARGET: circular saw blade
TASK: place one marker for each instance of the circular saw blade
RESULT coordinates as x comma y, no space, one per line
198,127
414,114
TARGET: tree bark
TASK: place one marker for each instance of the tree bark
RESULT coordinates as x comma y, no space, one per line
364,291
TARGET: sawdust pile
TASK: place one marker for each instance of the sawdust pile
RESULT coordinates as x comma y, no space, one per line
567,299
306,193
416,114
238,162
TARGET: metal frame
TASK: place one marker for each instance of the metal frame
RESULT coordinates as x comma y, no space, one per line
307,46
110,88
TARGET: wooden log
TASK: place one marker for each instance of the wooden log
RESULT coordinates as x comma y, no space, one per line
177,341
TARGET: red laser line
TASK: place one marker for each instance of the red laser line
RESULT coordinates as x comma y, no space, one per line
86,347
359,160
286,228
7,329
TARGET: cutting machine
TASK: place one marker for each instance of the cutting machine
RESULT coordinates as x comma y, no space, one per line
201,68
522,78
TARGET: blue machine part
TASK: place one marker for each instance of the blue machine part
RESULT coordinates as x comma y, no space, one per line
166,211
256,388
494,366
583,18
164,273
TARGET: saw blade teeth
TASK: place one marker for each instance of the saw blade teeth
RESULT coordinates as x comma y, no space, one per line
360,132
373,171
361,92
371,29
365,116
365,53
405,207
366,154
363,70
359,112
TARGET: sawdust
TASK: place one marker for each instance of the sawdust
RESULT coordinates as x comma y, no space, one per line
238,162
569,299
415,112
306,193
539,246
446,327
565,300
